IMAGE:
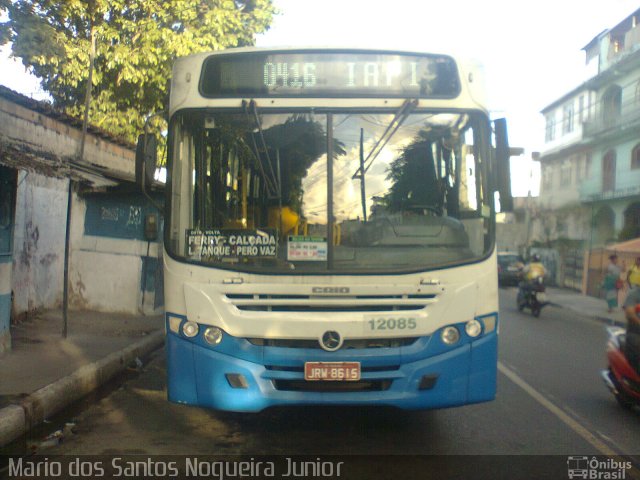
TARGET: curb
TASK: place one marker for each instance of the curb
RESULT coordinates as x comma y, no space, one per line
606,320
16,420
610,322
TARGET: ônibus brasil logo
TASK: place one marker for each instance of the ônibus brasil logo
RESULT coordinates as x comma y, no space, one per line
594,468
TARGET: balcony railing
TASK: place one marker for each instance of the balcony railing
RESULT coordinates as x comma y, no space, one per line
603,125
590,190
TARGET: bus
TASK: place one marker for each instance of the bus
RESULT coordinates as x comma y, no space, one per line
329,229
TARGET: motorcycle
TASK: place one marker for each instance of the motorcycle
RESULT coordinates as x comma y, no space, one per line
620,377
532,295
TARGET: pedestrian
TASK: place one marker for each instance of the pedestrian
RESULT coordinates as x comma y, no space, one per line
633,276
612,283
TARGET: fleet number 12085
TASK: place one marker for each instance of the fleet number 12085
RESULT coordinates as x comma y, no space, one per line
401,323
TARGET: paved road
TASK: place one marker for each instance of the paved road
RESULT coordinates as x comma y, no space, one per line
561,354
550,401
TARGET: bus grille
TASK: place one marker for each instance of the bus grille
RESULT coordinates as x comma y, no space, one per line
323,303
363,343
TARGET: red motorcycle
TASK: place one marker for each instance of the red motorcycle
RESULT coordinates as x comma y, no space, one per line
621,378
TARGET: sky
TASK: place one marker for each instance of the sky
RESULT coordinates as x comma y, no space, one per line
531,51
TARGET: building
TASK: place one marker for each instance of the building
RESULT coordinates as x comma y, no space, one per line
114,260
590,163
513,229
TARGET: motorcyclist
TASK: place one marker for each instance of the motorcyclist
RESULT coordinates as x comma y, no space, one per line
632,312
531,272
534,269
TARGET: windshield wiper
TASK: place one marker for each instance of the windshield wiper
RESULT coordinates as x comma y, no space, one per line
273,189
398,119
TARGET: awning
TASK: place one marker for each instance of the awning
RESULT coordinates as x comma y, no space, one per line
630,246
21,156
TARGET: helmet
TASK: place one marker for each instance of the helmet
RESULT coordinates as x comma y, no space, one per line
535,257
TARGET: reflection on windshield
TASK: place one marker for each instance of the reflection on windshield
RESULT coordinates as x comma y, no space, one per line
252,190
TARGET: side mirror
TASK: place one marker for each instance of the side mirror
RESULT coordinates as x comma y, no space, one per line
146,159
503,165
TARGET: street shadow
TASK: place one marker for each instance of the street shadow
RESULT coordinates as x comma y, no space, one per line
325,430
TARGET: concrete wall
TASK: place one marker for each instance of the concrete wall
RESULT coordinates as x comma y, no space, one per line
107,256
511,237
40,133
5,301
110,268
39,234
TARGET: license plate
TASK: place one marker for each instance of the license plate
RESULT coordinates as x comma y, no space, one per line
332,371
541,297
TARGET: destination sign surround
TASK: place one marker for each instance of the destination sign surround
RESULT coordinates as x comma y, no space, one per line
231,243
330,74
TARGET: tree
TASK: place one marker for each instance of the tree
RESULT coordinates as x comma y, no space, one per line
136,43
299,143
413,176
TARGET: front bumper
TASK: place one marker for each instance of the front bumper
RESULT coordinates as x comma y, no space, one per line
197,374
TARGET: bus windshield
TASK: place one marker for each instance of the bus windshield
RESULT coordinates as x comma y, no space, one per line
321,191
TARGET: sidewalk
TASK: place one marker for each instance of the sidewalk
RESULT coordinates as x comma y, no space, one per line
590,307
44,373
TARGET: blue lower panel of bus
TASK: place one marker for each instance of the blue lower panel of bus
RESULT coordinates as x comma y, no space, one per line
237,375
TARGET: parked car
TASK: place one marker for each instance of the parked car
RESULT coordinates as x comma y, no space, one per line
509,266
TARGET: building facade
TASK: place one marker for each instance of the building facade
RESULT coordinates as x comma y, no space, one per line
114,258
590,164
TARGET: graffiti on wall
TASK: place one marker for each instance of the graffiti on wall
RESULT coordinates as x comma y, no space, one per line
117,217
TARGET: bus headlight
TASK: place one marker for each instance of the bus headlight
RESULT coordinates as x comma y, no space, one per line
450,335
213,335
473,328
190,329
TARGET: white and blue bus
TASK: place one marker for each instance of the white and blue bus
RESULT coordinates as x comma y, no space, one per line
330,230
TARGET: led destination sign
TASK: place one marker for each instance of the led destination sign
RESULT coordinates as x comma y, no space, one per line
330,74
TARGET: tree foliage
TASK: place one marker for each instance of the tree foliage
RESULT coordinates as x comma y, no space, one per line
299,142
136,43
413,177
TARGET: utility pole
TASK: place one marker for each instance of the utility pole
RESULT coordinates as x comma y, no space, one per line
85,122
363,193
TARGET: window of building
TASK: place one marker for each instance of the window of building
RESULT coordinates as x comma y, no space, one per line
567,119
618,44
547,178
609,171
565,173
579,168
635,157
550,128
631,227
583,166
612,104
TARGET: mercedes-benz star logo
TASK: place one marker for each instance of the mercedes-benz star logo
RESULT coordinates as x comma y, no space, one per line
331,341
